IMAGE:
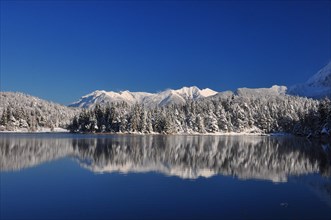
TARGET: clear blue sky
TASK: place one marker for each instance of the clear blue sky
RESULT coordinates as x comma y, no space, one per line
61,50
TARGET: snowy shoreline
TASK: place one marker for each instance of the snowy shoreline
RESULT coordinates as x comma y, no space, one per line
61,130
43,130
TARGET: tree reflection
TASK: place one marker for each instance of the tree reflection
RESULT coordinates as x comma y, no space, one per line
245,157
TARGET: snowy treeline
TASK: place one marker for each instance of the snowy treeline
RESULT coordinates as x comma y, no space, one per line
235,113
244,112
23,112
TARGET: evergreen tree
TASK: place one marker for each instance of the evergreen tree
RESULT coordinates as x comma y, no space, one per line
3,119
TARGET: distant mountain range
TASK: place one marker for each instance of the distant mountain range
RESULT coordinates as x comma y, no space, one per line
318,86
170,96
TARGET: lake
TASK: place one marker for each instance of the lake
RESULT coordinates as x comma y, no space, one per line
68,176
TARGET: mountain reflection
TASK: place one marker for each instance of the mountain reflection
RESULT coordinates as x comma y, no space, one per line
245,157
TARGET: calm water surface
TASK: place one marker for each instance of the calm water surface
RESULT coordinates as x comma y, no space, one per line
65,176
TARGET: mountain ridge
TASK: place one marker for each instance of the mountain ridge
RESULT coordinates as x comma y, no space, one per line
170,96
318,86
166,97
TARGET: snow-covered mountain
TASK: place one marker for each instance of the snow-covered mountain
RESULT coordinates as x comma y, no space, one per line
272,91
166,97
170,96
318,86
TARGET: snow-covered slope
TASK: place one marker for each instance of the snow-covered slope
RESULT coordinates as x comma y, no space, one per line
166,97
170,96
318,86
273,91
102,96
28,113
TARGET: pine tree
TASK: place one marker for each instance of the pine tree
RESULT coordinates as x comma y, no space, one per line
199,122
75,125
212,124
100,118
3,119
143,122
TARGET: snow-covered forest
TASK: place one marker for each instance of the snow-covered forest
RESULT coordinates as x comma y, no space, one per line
21,112
235,113
231,113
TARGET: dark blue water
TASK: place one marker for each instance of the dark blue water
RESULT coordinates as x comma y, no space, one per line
63,176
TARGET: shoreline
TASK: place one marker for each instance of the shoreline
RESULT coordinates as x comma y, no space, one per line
47,131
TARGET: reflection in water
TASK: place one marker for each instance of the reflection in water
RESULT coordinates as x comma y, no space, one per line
191,157
63,190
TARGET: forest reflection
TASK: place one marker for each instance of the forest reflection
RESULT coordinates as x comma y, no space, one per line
188,157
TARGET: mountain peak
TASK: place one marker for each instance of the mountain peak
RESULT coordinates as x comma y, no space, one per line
208,92
95,93
318,86
194,91
322,77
